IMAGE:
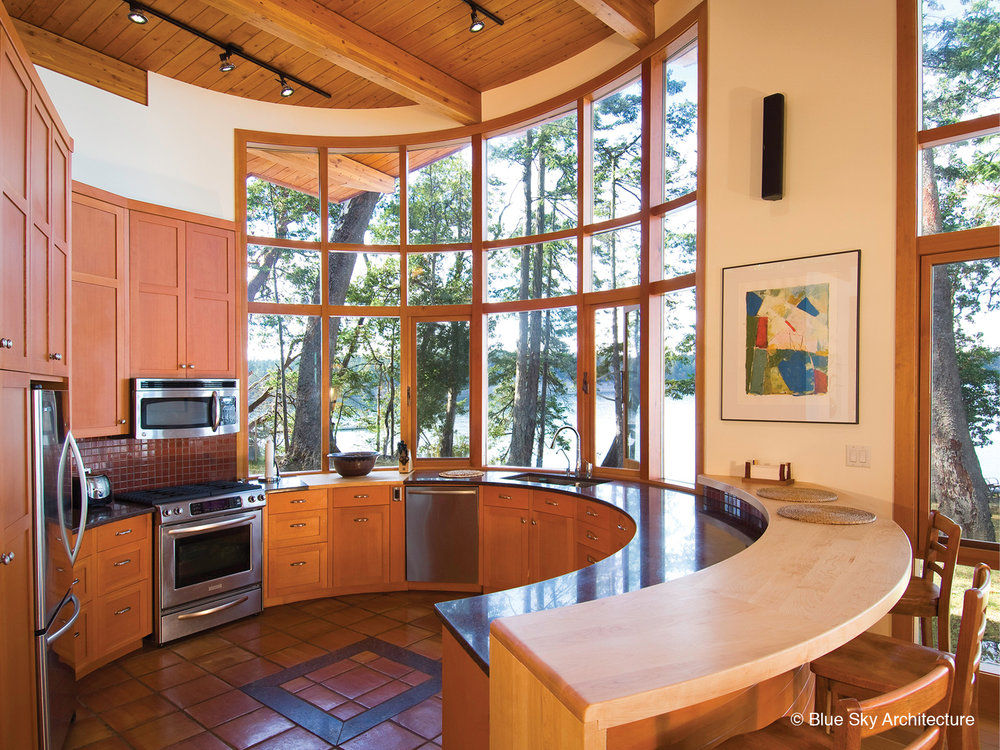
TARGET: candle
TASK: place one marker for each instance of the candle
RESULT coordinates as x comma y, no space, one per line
269,459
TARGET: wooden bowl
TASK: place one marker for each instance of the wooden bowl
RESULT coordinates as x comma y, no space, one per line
354,463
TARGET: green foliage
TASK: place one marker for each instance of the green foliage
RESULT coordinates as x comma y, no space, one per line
439,278
280,212
442,387
440,202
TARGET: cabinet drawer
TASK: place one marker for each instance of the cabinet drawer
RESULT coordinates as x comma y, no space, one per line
622,531
294,569
594,536
82,639
122,566
288,502
352,497
551,502
587,555
594,513
116,534
121,618
506,497
291,529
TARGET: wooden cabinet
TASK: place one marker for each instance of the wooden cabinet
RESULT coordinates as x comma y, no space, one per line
506,547
361,546
553,546
397,538
298,572
99,385
183,298
297,546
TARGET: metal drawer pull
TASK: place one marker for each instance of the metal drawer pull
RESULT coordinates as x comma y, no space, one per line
524,520
297,564
360,497
75,581
126,561
76,634
534,523
621,528
295,502
552,502
56,356
123,610
296,525
591,559
504,497
212,610
123,532
360,520
591,513
591,536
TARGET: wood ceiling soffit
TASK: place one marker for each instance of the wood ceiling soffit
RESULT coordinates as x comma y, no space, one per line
633,19
302,170
326,34
65,56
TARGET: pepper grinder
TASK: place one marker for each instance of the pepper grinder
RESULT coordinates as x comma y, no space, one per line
404,457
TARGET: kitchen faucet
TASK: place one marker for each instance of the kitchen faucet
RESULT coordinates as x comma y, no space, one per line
579,465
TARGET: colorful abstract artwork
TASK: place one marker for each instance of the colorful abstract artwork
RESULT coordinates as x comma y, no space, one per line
788,340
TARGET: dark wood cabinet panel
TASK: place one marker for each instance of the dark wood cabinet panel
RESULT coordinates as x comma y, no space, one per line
505,547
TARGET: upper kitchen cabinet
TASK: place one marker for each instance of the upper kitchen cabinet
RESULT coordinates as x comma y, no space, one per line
34,222
183,301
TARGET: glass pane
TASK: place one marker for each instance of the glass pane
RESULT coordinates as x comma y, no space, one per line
991,639
209,555
364,278
678,386
364,198
965,396
547,269
680,123
615,258
616,386
532,387
443,389
439,278
618,152
439,195
283,362
960,185
959,52
284,275
531,178
283,193
680,235
364,386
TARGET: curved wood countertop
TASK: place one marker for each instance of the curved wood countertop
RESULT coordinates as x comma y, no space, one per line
798,592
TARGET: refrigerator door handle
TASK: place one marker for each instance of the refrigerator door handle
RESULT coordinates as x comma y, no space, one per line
81,477
69,623
63,531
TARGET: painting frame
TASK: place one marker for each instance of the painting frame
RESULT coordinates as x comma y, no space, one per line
790,349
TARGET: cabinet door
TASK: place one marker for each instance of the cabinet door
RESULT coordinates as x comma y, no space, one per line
59,271
157,311
211,301
397,537
42,353
99,387
361,546
505,547
553,547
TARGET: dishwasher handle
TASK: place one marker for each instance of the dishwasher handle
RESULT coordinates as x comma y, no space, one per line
425,490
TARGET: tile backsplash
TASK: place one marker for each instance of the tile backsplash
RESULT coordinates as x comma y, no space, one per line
144,464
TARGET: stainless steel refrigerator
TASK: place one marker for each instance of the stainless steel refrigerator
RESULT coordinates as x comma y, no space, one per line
60,518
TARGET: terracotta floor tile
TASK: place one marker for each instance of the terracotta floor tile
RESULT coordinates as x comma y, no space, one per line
424,718
321,697
430,622
429,647
331,670
137,712
197,646
223,708
252,728
110,743
161,732
348,616
408,612
415,677
244,630
346,710
320,607
383,736
274,641
173,675
356,599
380,604
381,694
283,618
390,667
299,683
196,691
289,657
149,661
294,739
248,671
311,628
203,741
115,695
374,625
357,681
337,639
84,732
404,635
363,657
226,657
102,678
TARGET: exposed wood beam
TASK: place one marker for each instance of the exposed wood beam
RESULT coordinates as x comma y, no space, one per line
320,31
343,171
633,19
65,56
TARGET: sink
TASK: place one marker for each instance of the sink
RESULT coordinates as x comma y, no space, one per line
566,480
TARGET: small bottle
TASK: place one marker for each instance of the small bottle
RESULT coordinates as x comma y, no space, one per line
404,457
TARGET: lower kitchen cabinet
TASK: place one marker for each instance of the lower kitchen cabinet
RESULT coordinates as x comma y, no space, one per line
361,546
506,547
298,572
553,544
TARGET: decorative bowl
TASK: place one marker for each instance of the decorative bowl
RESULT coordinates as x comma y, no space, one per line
354,463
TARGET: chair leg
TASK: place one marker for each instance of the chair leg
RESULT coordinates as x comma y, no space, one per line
925,632
944,632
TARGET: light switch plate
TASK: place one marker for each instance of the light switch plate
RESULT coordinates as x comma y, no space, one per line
859,456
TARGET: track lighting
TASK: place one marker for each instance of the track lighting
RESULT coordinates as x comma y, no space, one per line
135,14
286,90
477,22
478,10
226,64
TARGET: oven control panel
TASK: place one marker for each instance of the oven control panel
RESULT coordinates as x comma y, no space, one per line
215,505
211,506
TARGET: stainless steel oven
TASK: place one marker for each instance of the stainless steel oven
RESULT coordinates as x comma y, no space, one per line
181,407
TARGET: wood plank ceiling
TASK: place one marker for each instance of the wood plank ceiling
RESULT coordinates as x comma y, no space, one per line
535,35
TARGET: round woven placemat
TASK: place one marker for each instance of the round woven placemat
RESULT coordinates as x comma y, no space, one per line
797,494
837,515
461,473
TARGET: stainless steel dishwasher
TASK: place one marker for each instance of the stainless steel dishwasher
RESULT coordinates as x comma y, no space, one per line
442,534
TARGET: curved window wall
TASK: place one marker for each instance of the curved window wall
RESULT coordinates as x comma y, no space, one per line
472,293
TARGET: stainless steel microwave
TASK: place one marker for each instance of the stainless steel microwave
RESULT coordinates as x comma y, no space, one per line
183,407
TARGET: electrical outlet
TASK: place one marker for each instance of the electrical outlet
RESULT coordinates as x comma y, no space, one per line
859,456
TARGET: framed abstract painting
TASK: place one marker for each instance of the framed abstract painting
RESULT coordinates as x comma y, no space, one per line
790,339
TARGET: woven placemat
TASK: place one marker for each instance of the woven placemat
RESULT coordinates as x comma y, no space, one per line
838,515
461,473
797,494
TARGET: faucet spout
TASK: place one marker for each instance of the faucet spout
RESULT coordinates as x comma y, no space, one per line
572,429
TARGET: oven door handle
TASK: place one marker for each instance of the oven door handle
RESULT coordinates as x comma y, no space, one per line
240,521
212,610
216,411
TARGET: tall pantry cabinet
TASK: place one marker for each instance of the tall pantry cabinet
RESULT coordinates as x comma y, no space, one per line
34,303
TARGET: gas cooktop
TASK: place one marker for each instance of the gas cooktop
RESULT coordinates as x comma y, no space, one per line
180,493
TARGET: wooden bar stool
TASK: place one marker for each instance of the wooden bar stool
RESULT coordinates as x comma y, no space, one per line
925,599
877,664
929,694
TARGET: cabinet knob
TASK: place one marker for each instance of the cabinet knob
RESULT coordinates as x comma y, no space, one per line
591,559
360,520
56,356
6,344
190,366
524,520
6,558
591,536
534,522
122,421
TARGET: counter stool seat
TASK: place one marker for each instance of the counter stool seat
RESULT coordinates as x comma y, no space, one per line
920,599
875,663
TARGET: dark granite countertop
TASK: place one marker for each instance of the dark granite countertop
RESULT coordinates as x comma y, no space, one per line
676,534
117,510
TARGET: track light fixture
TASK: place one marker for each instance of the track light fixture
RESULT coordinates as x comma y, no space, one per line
477,24
135,14
139,13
